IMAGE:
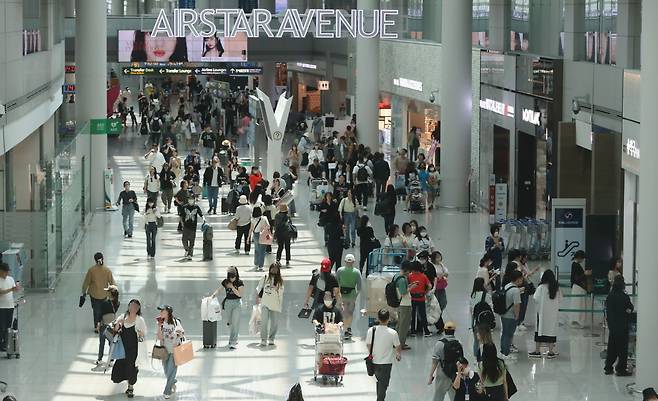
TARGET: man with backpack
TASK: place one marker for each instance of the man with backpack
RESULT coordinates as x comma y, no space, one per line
397,296
349,283
447,352
381,173
507,303
361,175
156,126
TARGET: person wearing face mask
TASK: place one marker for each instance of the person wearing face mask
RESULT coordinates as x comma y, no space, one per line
433,180
151,215
315,170
327,312
495,246
232,303
316,153
167,178
98,278
322,282
467,384
441,278
423,242
270,297
213,178
130,206
190,216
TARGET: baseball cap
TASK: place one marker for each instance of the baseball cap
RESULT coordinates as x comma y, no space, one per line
166,307
450,326
423,254
649,393
349,258
325,265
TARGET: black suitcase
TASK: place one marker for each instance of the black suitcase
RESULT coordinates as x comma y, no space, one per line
209,334
207,249
224,207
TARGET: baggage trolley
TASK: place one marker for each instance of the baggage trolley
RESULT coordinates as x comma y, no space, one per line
13,342
329,360
318,187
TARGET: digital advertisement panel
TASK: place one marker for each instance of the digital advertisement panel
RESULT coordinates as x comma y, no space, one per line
140,46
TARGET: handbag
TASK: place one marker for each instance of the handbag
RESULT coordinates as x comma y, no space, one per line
183,353
83,298
370,365
265,237
118,350
304,313
159,221
159,352
530,288
233,224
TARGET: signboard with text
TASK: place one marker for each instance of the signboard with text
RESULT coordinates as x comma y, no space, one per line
568,232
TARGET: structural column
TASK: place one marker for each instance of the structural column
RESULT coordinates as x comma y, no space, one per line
456,100
69,8
500,19
367,82
574,30
432,20
91,61
647,326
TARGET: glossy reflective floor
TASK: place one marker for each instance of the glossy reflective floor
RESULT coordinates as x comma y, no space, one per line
59,347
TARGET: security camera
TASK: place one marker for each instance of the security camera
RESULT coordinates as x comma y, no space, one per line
575,106
433,96
2,110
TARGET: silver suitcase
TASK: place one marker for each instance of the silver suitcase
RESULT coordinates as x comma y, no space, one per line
13,345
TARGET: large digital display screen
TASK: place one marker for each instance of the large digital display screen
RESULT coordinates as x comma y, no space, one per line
140,46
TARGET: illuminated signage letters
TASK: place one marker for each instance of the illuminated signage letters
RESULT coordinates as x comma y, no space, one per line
322,23
408,83
632,149
531,116
497,107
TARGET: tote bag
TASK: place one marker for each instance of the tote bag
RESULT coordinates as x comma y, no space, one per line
183,353
265,237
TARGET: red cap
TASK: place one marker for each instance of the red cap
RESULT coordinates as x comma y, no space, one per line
325,265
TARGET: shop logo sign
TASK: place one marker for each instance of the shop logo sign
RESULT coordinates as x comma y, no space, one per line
497,107
531,116
408,84
631,148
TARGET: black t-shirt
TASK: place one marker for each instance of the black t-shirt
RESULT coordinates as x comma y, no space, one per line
321,283
430,272
315,171
467,386
108,306
327,315
190,215
124,197
167,179
229,292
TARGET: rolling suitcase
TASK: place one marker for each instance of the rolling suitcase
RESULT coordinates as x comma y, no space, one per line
207,241
209,334
13,345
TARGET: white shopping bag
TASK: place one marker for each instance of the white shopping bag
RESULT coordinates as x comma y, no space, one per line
254,322
204,309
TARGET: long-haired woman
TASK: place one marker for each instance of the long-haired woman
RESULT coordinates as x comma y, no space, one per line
493,373
547,296
170,334
347,210
132,329
270,296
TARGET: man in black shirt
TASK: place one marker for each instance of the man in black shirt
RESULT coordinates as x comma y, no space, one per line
321,283
190,217
315,170
213,177
327,312
129,200
381,172
618,313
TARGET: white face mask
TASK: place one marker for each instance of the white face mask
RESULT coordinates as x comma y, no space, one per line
328,304
423,233
190,202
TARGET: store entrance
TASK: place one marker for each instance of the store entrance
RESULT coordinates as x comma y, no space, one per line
501,154
526,175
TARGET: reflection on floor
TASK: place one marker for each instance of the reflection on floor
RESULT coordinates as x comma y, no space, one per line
59,347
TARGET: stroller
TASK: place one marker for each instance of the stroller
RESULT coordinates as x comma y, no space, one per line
416,199
318,188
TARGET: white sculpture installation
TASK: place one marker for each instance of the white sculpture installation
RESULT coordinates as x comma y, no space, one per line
275,128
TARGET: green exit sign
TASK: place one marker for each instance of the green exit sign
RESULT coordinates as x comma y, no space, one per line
98,126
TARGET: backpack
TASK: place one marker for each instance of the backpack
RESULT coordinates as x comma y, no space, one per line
482,313
391,292
452,351
155,125
362,174
499,299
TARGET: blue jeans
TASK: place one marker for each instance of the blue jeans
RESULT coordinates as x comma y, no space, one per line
349,219
128,213
233,308
213,193
509,327
170,370
269,323
259,251
151,231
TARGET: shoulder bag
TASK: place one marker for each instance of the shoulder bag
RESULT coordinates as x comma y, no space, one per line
160,221
233,224
159,352
511,387
370,366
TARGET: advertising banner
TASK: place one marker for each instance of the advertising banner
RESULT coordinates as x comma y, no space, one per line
568,232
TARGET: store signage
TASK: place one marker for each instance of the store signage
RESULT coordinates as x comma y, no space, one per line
492,199
531,116
501,202
497,107
68,89
408,84
568,234
240,71
632,149
323,85
322,23
309,66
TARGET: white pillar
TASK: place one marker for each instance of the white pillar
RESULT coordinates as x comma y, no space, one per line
500,19
117,7
574,30
69,8
456,100
367,83
91,62
647,326
432,20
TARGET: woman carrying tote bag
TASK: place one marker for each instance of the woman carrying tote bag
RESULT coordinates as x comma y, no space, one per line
170,334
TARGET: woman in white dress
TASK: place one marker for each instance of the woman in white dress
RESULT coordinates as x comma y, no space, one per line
547,298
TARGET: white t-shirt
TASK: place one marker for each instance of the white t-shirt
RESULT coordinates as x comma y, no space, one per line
259,224
386,339
7,300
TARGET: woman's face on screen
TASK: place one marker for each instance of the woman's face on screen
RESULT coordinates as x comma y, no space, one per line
211,42
159,48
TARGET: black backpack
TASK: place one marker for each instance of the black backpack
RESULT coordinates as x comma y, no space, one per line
499,299
155,125
452,351
362,174
391,292
482,313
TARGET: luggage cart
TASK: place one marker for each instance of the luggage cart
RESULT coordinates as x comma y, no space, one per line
329,360
382,265
318,187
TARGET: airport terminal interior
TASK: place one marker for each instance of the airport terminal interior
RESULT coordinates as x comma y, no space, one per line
400,200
